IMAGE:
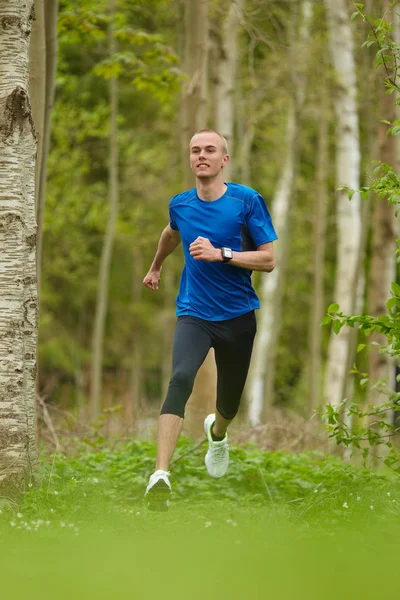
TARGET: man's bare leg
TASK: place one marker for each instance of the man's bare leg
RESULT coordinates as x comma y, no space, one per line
169,430
220,425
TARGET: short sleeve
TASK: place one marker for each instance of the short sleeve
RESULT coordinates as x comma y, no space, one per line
259,222
172,222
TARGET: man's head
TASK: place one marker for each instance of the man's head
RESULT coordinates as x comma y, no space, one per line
208,153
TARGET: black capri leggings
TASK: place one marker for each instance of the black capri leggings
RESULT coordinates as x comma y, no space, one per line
232,341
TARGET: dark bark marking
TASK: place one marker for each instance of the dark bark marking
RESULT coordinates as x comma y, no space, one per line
31,241
17,111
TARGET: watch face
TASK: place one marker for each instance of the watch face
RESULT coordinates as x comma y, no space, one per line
227,253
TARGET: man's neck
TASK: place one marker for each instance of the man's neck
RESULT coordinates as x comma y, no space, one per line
210,189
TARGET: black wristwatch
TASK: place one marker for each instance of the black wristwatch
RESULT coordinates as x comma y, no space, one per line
226,254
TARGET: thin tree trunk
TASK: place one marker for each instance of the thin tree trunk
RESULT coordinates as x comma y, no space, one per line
194,102
18,292
50,19
247,120
383,248
263,364
136,373
225,84
103,285
37,85
348,212
320,213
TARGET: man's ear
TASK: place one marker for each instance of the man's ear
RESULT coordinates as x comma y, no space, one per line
225,160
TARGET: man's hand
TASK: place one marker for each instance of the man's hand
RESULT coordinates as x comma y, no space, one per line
152,279
202,249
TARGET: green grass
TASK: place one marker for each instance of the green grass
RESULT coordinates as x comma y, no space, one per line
278,525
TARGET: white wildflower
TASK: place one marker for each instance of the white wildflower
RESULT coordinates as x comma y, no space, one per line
95,480
207,524
371,507
19,515
388,494
55,493
345,505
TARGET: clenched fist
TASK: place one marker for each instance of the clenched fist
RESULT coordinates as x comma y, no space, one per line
152,279
202,249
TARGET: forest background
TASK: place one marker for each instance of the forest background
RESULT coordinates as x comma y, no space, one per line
116,90
268,75
97,103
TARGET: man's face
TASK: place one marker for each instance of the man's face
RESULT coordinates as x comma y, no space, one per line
207,155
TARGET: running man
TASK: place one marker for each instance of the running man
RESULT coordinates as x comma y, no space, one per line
226,232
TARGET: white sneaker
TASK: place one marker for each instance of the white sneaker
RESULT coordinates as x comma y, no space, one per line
217,457
158,491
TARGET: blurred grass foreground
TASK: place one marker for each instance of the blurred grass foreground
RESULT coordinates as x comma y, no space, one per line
277,526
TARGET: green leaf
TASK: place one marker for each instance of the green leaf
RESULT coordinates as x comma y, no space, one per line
351,194
360,347
326,320
337,326
391,303
333,308
396,289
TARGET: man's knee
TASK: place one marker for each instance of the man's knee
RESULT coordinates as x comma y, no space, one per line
180,388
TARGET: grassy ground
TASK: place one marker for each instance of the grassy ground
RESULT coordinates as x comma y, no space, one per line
294,526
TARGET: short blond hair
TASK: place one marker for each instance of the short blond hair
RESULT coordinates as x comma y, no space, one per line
224,141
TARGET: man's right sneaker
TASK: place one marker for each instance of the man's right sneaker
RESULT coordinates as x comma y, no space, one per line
158,491
217,457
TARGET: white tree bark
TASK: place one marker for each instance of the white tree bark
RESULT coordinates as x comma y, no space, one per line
225,84
347,173
18,296
105,261
271,286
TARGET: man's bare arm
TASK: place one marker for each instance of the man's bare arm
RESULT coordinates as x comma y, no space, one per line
169,240
262,259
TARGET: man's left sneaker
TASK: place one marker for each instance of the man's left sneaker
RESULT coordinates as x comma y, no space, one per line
158,491
217,457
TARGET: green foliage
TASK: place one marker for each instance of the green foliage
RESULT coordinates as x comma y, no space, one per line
94,478
369,428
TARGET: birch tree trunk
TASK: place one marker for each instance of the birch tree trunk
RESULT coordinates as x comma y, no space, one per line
18,294
50,21
271,283
225,83
319,226
105,261
348,212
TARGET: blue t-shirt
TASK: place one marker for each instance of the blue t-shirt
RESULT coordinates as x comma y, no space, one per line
239,219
